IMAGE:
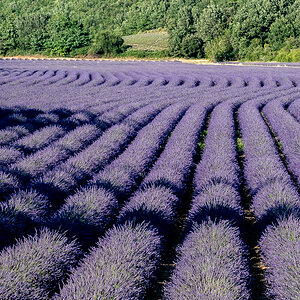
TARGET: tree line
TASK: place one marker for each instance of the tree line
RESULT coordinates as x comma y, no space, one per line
214,29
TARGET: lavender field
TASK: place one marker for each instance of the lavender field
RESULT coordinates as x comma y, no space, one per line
149,180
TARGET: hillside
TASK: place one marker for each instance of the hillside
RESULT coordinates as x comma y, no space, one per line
218,29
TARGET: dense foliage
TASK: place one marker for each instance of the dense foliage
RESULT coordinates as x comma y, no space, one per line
218,29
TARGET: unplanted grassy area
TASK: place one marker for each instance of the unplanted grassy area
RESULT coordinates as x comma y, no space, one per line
152,40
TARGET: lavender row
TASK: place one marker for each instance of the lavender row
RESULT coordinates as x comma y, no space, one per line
211,265
216,207
274,198
62,180
281,254
123,284
123,175
294,109
266,177
20,214
287,129
212,261
120,267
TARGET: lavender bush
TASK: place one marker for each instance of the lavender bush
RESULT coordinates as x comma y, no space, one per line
35,266
86,214
281,253
120,267
211,265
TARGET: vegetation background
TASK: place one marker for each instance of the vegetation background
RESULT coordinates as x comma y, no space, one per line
215,29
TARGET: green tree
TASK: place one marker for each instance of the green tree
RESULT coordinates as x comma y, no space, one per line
107,43
210,23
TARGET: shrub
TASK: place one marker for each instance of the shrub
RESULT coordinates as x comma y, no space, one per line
219,49
34,267
192,46
107,43
121,266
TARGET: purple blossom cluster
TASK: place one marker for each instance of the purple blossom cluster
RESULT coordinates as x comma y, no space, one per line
86,214
121,266
281,254
10,134
34,267
20,213
212,265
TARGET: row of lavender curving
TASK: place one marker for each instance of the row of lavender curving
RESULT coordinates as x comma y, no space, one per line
100,183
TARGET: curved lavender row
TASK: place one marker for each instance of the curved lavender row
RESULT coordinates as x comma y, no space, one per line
35,266
8,156
49,157
84,78
10,134
15,77
86,214
120,267
287,129
59,75
124,173
71,77
39,139
211,265
64,178
20,213
294,109
102,214
47,74
281,253
266,177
